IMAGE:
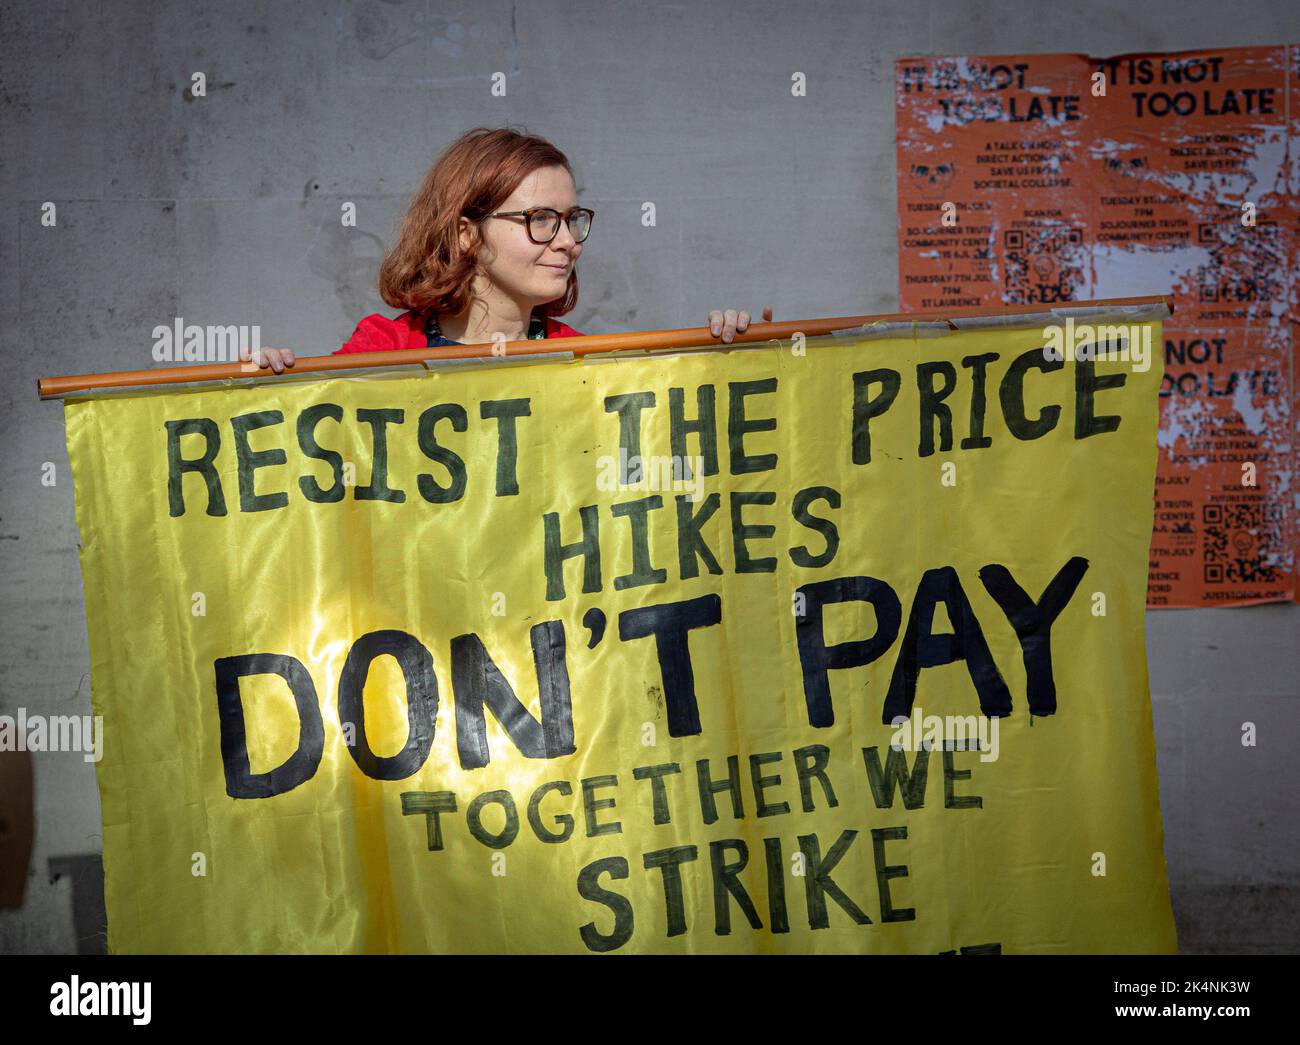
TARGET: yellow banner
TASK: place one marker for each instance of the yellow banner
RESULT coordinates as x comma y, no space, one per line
832,646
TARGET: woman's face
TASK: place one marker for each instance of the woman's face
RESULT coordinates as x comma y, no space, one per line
534,273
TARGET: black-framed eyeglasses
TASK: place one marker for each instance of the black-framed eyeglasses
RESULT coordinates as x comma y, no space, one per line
544,222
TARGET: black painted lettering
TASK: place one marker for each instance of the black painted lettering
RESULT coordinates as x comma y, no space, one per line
705,426
817,659
884,872
1033,624
637,512
557,552
670,624
727,885
430,489
669,864
1087,383
1011,392
589,888
978,365
867,407
250,460
474,819
933,407
378,489
922,648
895,775
241,781
177,465
479,684
421,702
307,422
761,783
810,764
591,805
799,509
655,775
742,532
628,406
818,883
506,411
430,805
738,426
690,542
542,832
710,787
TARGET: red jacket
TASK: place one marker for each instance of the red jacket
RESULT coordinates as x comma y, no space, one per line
378,333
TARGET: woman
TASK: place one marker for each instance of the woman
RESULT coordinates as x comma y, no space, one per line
489,248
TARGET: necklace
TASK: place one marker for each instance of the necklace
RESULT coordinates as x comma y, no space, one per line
433,332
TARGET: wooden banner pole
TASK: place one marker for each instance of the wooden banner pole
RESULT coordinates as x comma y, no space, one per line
646,341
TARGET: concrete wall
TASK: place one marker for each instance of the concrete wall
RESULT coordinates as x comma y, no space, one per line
225,210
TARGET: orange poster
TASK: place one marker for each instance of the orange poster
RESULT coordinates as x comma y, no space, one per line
1057,177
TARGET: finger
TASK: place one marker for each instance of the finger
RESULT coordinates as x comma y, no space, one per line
715,322
742,322
767,313
245,354
274,355
728,324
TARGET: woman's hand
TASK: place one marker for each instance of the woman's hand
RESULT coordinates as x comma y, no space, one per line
730,323
275,358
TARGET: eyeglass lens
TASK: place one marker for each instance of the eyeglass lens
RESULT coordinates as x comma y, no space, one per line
543,224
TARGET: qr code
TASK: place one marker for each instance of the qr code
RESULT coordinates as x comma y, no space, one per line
1242,542
1043,264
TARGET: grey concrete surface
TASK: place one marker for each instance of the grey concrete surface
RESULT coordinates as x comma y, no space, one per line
225,210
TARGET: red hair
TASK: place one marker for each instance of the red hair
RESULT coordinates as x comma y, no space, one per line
427,271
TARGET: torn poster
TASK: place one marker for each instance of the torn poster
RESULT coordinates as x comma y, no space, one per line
1059,177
